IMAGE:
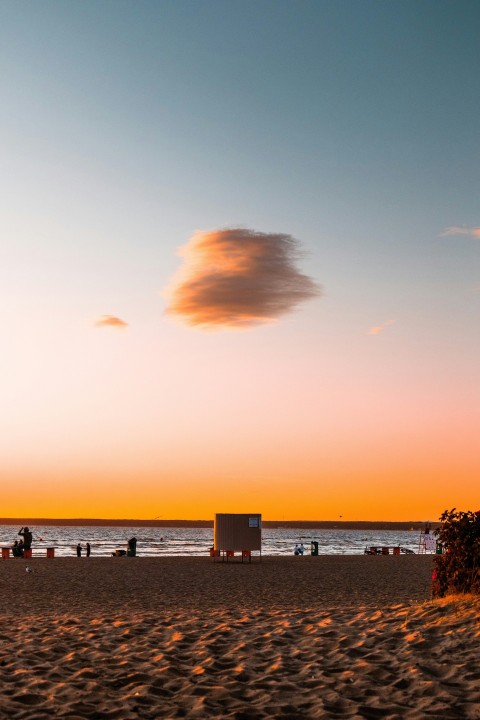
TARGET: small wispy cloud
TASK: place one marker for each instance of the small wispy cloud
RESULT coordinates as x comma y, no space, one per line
111,321
238,278
377,329
461,230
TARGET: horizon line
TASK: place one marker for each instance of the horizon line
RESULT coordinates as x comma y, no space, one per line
161,521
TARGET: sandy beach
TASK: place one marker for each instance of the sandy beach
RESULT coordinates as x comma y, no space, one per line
311,637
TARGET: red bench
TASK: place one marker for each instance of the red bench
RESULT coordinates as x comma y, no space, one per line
228,554
384,550
27,554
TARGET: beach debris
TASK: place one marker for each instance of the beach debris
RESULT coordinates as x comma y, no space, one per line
28,569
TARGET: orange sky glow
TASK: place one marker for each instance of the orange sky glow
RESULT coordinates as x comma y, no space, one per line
199,423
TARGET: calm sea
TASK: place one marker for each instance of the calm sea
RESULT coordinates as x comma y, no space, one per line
197,541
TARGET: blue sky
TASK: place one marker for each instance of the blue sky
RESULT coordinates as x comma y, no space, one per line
324,117
351,125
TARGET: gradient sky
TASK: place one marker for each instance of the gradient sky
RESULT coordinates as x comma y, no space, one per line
129,128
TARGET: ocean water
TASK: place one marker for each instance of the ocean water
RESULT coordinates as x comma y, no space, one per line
197,541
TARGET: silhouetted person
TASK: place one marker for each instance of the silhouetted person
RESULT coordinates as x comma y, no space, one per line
79,550
88,549
27,537
17,548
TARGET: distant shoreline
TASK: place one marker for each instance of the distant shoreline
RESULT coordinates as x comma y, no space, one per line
288,524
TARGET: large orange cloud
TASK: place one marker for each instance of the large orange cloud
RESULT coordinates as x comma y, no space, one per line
238,278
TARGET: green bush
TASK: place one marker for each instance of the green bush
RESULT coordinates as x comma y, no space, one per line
457,569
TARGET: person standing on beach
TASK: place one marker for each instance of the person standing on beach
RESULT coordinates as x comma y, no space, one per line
88,549
27,537
79,550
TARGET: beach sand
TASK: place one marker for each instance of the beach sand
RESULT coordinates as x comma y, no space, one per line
308,637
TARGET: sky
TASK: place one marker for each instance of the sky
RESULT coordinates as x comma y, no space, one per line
239,258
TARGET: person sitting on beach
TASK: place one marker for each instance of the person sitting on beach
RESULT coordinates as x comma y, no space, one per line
299,549
27,537
17,548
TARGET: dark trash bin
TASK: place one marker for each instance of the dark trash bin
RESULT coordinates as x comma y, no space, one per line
132,547
314,546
